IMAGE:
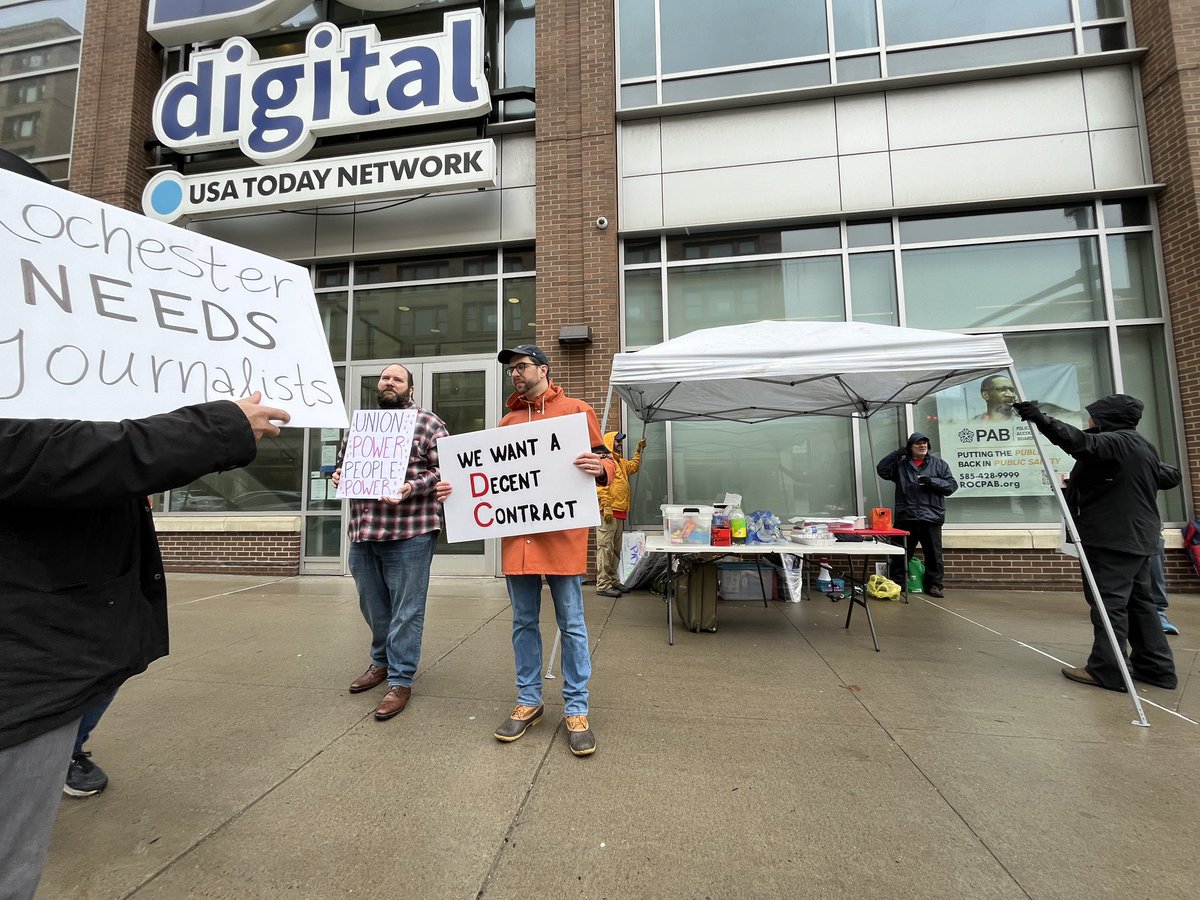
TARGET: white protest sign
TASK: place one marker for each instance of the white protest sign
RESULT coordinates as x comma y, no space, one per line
377,450
519,479
110,315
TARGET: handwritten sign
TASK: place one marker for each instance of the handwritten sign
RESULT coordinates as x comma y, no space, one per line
109,315
520,479
377,450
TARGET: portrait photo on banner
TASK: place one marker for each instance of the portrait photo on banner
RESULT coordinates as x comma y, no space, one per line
988,447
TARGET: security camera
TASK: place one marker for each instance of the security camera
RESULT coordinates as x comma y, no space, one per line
601,222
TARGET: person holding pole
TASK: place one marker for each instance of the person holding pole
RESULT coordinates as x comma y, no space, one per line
615,500
1112,496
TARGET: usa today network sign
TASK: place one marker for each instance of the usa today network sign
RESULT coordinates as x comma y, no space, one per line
273,110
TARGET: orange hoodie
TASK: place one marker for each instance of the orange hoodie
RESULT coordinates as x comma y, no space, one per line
553,552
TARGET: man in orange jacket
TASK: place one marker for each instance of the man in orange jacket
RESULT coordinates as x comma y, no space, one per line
615,499
558,556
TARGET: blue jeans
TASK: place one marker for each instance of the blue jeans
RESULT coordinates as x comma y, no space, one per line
90,720
392,578
525,594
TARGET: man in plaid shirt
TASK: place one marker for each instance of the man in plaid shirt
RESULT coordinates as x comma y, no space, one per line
392,540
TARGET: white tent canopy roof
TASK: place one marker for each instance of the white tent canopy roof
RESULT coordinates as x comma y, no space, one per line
768,370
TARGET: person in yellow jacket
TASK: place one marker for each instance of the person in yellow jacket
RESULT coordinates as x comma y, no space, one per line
614,510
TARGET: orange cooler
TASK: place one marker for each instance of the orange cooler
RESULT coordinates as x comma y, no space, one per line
881,518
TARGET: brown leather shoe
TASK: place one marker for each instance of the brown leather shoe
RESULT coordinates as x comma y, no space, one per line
393,703
518,723
579,736
368,679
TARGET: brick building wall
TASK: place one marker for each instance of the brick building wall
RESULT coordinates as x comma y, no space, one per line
119,74
577,267
1170,84
232,552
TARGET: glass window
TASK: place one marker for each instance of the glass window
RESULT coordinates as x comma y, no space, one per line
519,55
519,260
425,320
797,466
983,53
753,81
520,312
1127,213
336,275
858,68
649,484
707,296
637,38
800,240
643,307
323,537
997,285
633,95
869,234
1134,275
1105,38
1001,479
854,25
323,446
645,250
33,23
999,224
269,484
42,117
721,246
1090,10
910,21
332,308
709,34
873,288
1146,375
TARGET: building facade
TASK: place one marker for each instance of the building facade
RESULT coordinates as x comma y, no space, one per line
1027,168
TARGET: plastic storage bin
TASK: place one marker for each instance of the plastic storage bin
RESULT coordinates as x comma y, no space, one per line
687,523
740,581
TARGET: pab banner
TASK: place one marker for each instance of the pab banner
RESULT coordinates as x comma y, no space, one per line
519,479
988,448
110,315
377,449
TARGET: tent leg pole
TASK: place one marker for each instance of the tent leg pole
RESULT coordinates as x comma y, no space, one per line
1118,650
875,472
607,407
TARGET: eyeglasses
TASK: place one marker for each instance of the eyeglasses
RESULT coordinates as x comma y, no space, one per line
520,368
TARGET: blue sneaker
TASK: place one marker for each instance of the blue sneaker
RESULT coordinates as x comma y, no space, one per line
1168,628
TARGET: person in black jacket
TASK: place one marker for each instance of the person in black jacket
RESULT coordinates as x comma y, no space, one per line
1112,495
923,482
83,604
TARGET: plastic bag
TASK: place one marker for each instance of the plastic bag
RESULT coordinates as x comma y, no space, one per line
916,576
882,588
763,527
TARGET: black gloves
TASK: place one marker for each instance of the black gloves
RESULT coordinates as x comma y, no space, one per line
923,480
1029,411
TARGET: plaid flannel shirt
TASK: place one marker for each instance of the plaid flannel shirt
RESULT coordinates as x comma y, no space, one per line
374,520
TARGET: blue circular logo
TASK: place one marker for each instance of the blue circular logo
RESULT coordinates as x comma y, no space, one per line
233,53
322,39
166,197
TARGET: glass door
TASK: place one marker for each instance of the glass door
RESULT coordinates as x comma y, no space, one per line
464,394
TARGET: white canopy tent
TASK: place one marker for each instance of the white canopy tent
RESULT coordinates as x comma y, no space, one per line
761,371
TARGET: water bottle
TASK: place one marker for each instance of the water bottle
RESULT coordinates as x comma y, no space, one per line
825,578
737,525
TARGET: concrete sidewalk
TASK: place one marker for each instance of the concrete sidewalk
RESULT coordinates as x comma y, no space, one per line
779,757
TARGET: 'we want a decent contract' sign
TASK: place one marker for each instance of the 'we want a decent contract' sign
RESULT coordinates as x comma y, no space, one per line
108,315
519,479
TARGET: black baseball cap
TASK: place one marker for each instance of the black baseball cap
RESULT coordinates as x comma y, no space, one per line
533,351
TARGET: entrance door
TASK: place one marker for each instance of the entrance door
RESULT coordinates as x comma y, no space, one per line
465,395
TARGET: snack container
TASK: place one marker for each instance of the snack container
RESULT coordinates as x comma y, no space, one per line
687,523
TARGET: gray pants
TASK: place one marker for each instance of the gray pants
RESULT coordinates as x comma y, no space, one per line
31,783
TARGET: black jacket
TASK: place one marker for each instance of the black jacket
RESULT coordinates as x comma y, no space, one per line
922,503
83,603
1114,484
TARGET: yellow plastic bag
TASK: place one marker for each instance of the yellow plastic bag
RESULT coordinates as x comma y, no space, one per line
882,588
